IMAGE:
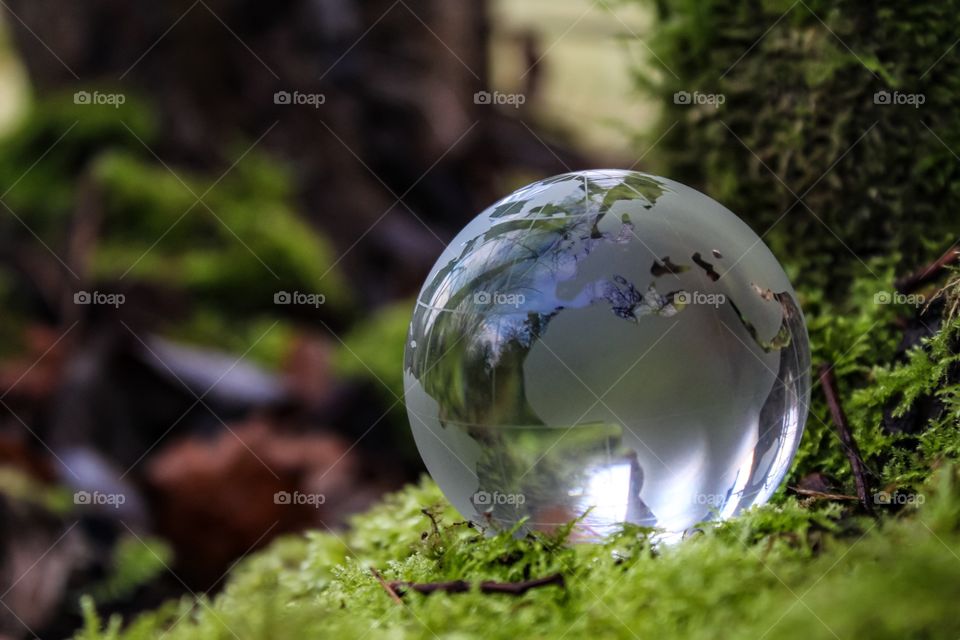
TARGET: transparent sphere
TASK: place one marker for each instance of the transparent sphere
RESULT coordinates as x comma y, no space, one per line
611,346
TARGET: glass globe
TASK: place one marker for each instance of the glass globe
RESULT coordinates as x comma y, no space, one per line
608,346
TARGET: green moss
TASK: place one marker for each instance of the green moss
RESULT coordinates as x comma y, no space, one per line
859,337
799,118
789,569
785,571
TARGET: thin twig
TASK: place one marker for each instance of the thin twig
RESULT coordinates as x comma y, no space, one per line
426,588
829,384
387,586
433,521
823,495
520,588
462,586
920,277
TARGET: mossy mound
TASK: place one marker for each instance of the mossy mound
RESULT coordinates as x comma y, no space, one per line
898,375
790,569
846,105
785,571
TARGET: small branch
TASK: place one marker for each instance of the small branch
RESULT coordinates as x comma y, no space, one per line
426,588
461,586
929,273
846,436
433,521
388,587
822,495
520,588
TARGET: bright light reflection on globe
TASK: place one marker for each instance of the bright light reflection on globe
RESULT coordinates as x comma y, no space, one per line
611,346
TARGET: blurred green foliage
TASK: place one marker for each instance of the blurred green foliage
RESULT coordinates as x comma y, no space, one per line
226,240
19,485
41,160
136,561
235,249
373,349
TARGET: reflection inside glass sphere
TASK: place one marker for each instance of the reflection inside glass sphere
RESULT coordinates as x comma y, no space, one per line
610,346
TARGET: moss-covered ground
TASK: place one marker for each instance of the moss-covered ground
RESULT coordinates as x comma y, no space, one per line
781,571
796,568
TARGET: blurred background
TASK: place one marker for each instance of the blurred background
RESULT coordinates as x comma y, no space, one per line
215,214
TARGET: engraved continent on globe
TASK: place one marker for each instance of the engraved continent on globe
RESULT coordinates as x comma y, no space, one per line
610,346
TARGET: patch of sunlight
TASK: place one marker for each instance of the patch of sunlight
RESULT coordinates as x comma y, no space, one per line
14,84
589,52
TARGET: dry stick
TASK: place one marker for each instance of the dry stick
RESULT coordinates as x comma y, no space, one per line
909,284
520,588
461,586
823,495
829,384
386,587
433,521
455,586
